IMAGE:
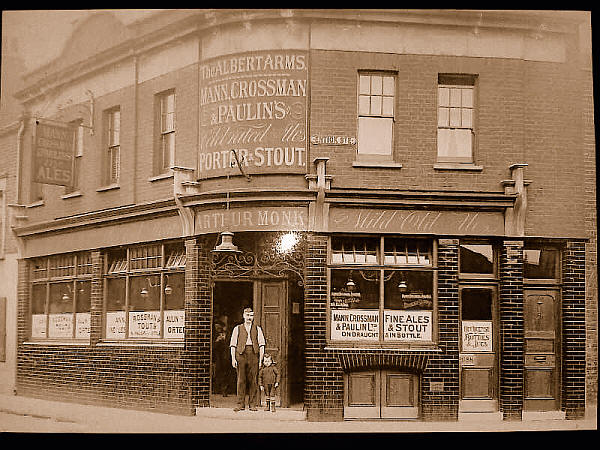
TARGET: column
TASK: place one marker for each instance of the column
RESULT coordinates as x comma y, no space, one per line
511,330
573,330
198,310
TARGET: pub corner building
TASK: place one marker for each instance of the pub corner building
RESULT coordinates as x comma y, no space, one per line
405,197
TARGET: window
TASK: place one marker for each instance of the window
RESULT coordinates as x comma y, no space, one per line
166,135
376,98
145,292
78,154
61,296
540,262
381,289
113,156
477,259
456,107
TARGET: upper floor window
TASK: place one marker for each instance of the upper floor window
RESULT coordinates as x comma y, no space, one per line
113,150
376,100
78,155
456,107
166,132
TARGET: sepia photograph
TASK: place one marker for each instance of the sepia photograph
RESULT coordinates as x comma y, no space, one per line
255,222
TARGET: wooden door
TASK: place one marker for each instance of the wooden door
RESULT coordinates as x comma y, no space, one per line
272,306
478,349
399,395
381,394
542,358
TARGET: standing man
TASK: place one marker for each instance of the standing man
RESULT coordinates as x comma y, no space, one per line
247,347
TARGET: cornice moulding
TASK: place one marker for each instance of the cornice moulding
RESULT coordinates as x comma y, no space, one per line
99,218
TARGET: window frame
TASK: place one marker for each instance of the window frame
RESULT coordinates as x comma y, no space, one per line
367,157
163,134
156,276
557,280
78,273
112,149
475,275
458,81
77,157
383,268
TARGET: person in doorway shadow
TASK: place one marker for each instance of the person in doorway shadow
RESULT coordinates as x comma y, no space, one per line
247,346
221,360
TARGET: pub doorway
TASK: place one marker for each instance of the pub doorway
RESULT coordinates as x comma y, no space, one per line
229,300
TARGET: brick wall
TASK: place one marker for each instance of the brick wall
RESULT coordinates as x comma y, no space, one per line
323,382
511,330
198,312
443,367
573,330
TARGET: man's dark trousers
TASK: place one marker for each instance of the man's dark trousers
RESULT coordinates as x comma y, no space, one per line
247,377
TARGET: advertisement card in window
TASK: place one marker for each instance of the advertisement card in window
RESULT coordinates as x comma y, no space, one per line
144,324
174,324
403,326
355,325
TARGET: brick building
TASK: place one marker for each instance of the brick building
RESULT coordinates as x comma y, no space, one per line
406,198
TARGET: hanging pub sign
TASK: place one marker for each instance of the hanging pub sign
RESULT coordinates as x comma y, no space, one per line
53,153
254,103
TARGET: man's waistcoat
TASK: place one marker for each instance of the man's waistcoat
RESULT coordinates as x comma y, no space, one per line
243,336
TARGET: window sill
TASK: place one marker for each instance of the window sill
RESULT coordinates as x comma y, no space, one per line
108,188
132,343
425,347
162,176
71,195
35,204
377,164
74,342
457,166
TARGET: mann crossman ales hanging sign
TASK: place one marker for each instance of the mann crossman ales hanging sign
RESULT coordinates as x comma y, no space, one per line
53,153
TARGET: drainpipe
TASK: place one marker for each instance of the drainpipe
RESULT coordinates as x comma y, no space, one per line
19,157
135,126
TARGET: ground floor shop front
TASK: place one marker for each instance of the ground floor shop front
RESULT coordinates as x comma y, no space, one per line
370,321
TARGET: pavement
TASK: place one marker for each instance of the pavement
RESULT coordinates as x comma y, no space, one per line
98,419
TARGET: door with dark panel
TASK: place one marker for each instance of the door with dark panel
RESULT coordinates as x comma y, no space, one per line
542,364
478,349
272,303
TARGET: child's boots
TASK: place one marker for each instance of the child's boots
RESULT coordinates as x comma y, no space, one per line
273,406
267,407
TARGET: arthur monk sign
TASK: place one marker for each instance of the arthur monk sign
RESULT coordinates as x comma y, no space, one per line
53,153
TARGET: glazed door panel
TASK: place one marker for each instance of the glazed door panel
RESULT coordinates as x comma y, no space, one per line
272,301
542,385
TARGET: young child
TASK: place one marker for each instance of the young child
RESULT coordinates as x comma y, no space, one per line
268,380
